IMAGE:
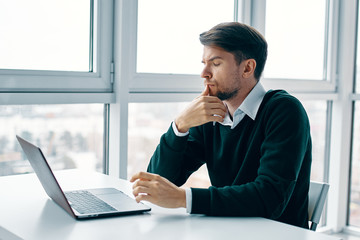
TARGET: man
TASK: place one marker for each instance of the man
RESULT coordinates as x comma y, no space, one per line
256,144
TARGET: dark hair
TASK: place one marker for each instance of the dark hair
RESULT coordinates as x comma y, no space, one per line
243,41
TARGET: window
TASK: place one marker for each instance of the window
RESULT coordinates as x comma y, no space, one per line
55,46
317,113
45,35
70,136
147,123
357,66
55,52
168,33
354,205
296,42
354,194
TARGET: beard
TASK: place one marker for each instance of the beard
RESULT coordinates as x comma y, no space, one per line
222,95
226,92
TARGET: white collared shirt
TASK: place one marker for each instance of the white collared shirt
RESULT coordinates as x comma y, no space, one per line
250,106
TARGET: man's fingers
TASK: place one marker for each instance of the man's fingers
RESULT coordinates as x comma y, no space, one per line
216,118
213,108
219,106
144,187
143,176
215,102
142,183
141,190
206,91
158,190
218,112
211,99
144,197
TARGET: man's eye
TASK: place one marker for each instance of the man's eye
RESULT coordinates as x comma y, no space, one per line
216,64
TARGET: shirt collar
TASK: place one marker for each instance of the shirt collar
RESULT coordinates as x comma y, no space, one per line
250,106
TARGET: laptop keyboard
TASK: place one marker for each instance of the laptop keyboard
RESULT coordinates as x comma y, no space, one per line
85,202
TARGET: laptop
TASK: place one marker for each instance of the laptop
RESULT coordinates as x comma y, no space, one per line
80,204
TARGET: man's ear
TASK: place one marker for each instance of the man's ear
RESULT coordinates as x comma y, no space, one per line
249,68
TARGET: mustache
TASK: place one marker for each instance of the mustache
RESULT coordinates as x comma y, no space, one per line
209,82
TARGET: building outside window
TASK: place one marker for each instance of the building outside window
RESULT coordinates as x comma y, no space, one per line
70,136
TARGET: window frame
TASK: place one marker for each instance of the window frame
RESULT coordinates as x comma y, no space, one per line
355,98
341,128
252,13
255,16
44,86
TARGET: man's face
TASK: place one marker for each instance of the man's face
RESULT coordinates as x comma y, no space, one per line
221,73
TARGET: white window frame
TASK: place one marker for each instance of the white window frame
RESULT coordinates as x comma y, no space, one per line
253,13
57,87
350,96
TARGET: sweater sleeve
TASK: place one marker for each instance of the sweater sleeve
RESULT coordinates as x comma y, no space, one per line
177,157
286,142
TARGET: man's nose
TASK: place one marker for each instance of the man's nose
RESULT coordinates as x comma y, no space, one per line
206,73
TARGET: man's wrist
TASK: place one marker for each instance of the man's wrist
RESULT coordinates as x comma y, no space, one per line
177,132
180,126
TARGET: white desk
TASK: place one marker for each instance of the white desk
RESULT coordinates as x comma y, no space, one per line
26,211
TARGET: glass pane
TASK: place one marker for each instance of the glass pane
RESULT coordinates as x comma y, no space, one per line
357,83
148,121
354,210
295,31
168,33
45,35
317,113
70,136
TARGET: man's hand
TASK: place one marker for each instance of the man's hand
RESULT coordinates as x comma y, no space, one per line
158,190
201,110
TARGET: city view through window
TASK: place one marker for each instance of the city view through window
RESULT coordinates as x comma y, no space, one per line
70,136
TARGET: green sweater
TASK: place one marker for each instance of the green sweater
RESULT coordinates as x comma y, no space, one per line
261,168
